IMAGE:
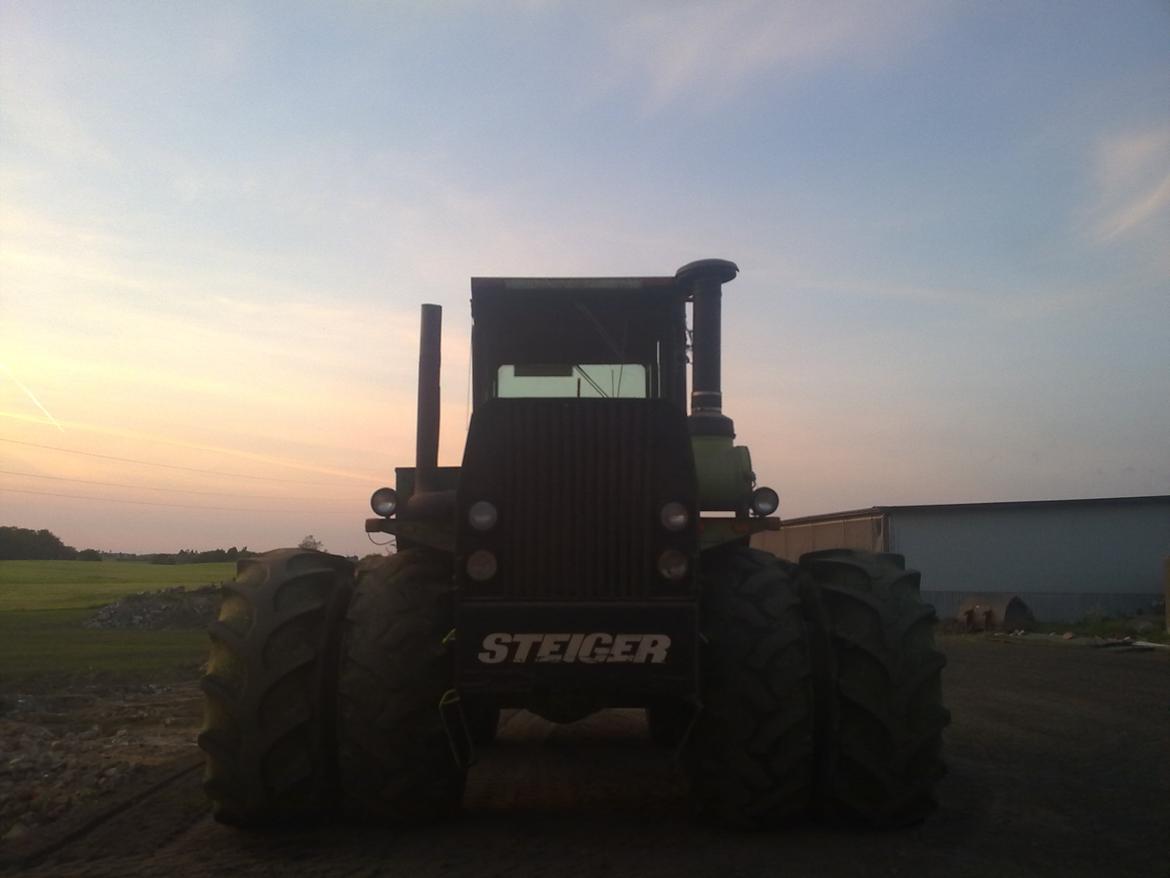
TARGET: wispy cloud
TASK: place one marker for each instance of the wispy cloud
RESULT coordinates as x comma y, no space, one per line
711,50
1133,174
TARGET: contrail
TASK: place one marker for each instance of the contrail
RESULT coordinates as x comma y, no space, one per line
32,396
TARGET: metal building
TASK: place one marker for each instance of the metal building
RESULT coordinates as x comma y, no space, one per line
1065,558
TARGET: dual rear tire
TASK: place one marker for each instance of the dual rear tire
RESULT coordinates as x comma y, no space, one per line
750,753
322,693
268,734
822,692
880,711
401,753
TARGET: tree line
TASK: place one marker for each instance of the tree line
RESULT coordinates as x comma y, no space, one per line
194,556
26,544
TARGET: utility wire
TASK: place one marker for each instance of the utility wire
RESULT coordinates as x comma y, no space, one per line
172,490
174,505
190,469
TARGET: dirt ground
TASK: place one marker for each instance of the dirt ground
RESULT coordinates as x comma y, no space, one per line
1059,765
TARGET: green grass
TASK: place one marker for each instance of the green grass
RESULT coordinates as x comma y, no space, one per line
43,603
62,585
1097,626
52,644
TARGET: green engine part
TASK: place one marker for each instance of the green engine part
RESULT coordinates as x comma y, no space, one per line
725,473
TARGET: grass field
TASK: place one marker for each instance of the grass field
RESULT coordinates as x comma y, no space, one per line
65,585
43,603
52,643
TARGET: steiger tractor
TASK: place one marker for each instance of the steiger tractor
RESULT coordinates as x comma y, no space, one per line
591,552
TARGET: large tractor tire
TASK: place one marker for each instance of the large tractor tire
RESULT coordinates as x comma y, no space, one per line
270,689
879,701
750,752
668,722
401,742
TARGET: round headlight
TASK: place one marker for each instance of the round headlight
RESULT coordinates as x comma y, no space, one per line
765,501
481,565
674,516
672,564
384,502
482,515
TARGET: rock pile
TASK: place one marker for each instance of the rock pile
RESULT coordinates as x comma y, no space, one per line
177,607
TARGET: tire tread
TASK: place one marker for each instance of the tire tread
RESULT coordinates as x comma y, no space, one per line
881,735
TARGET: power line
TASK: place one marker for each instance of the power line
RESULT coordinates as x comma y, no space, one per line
173,505
171,490
190,469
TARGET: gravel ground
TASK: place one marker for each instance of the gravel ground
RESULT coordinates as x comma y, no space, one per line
60,751
1058,758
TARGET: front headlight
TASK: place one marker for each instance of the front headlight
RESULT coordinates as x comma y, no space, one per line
384,502
482,515
481,565
765,501
674,516
672,564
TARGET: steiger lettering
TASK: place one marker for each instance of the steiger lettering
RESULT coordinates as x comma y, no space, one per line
596,648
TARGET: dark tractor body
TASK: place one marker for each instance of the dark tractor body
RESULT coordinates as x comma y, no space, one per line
579,438
590,552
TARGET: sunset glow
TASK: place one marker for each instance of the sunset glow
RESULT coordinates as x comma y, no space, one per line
217,224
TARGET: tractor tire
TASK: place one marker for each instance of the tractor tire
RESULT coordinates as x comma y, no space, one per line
879,696
668,722
750,754
270,689
402,757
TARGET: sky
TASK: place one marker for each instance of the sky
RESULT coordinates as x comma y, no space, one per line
218,220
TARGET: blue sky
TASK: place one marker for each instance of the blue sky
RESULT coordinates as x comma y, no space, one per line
217,222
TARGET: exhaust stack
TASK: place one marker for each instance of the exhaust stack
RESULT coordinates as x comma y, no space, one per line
705,279
427,436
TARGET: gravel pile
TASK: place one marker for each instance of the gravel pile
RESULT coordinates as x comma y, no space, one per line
177,607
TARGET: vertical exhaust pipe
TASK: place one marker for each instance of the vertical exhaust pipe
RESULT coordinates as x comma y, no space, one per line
427,437
704,279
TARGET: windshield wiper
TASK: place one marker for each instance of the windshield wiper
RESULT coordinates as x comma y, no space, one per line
619,351
592,383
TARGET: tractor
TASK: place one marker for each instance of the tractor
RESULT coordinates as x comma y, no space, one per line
592,551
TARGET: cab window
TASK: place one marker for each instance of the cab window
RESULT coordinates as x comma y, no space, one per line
573,380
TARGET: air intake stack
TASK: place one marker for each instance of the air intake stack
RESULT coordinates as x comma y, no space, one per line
724,469
705,279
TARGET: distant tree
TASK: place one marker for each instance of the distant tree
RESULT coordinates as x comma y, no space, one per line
311,542
89,555
24,544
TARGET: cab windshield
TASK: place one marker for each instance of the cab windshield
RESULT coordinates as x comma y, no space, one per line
573,380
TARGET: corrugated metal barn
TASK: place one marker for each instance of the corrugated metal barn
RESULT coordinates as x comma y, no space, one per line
1065,558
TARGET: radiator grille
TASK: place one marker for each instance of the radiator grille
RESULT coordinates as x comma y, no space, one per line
575,483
